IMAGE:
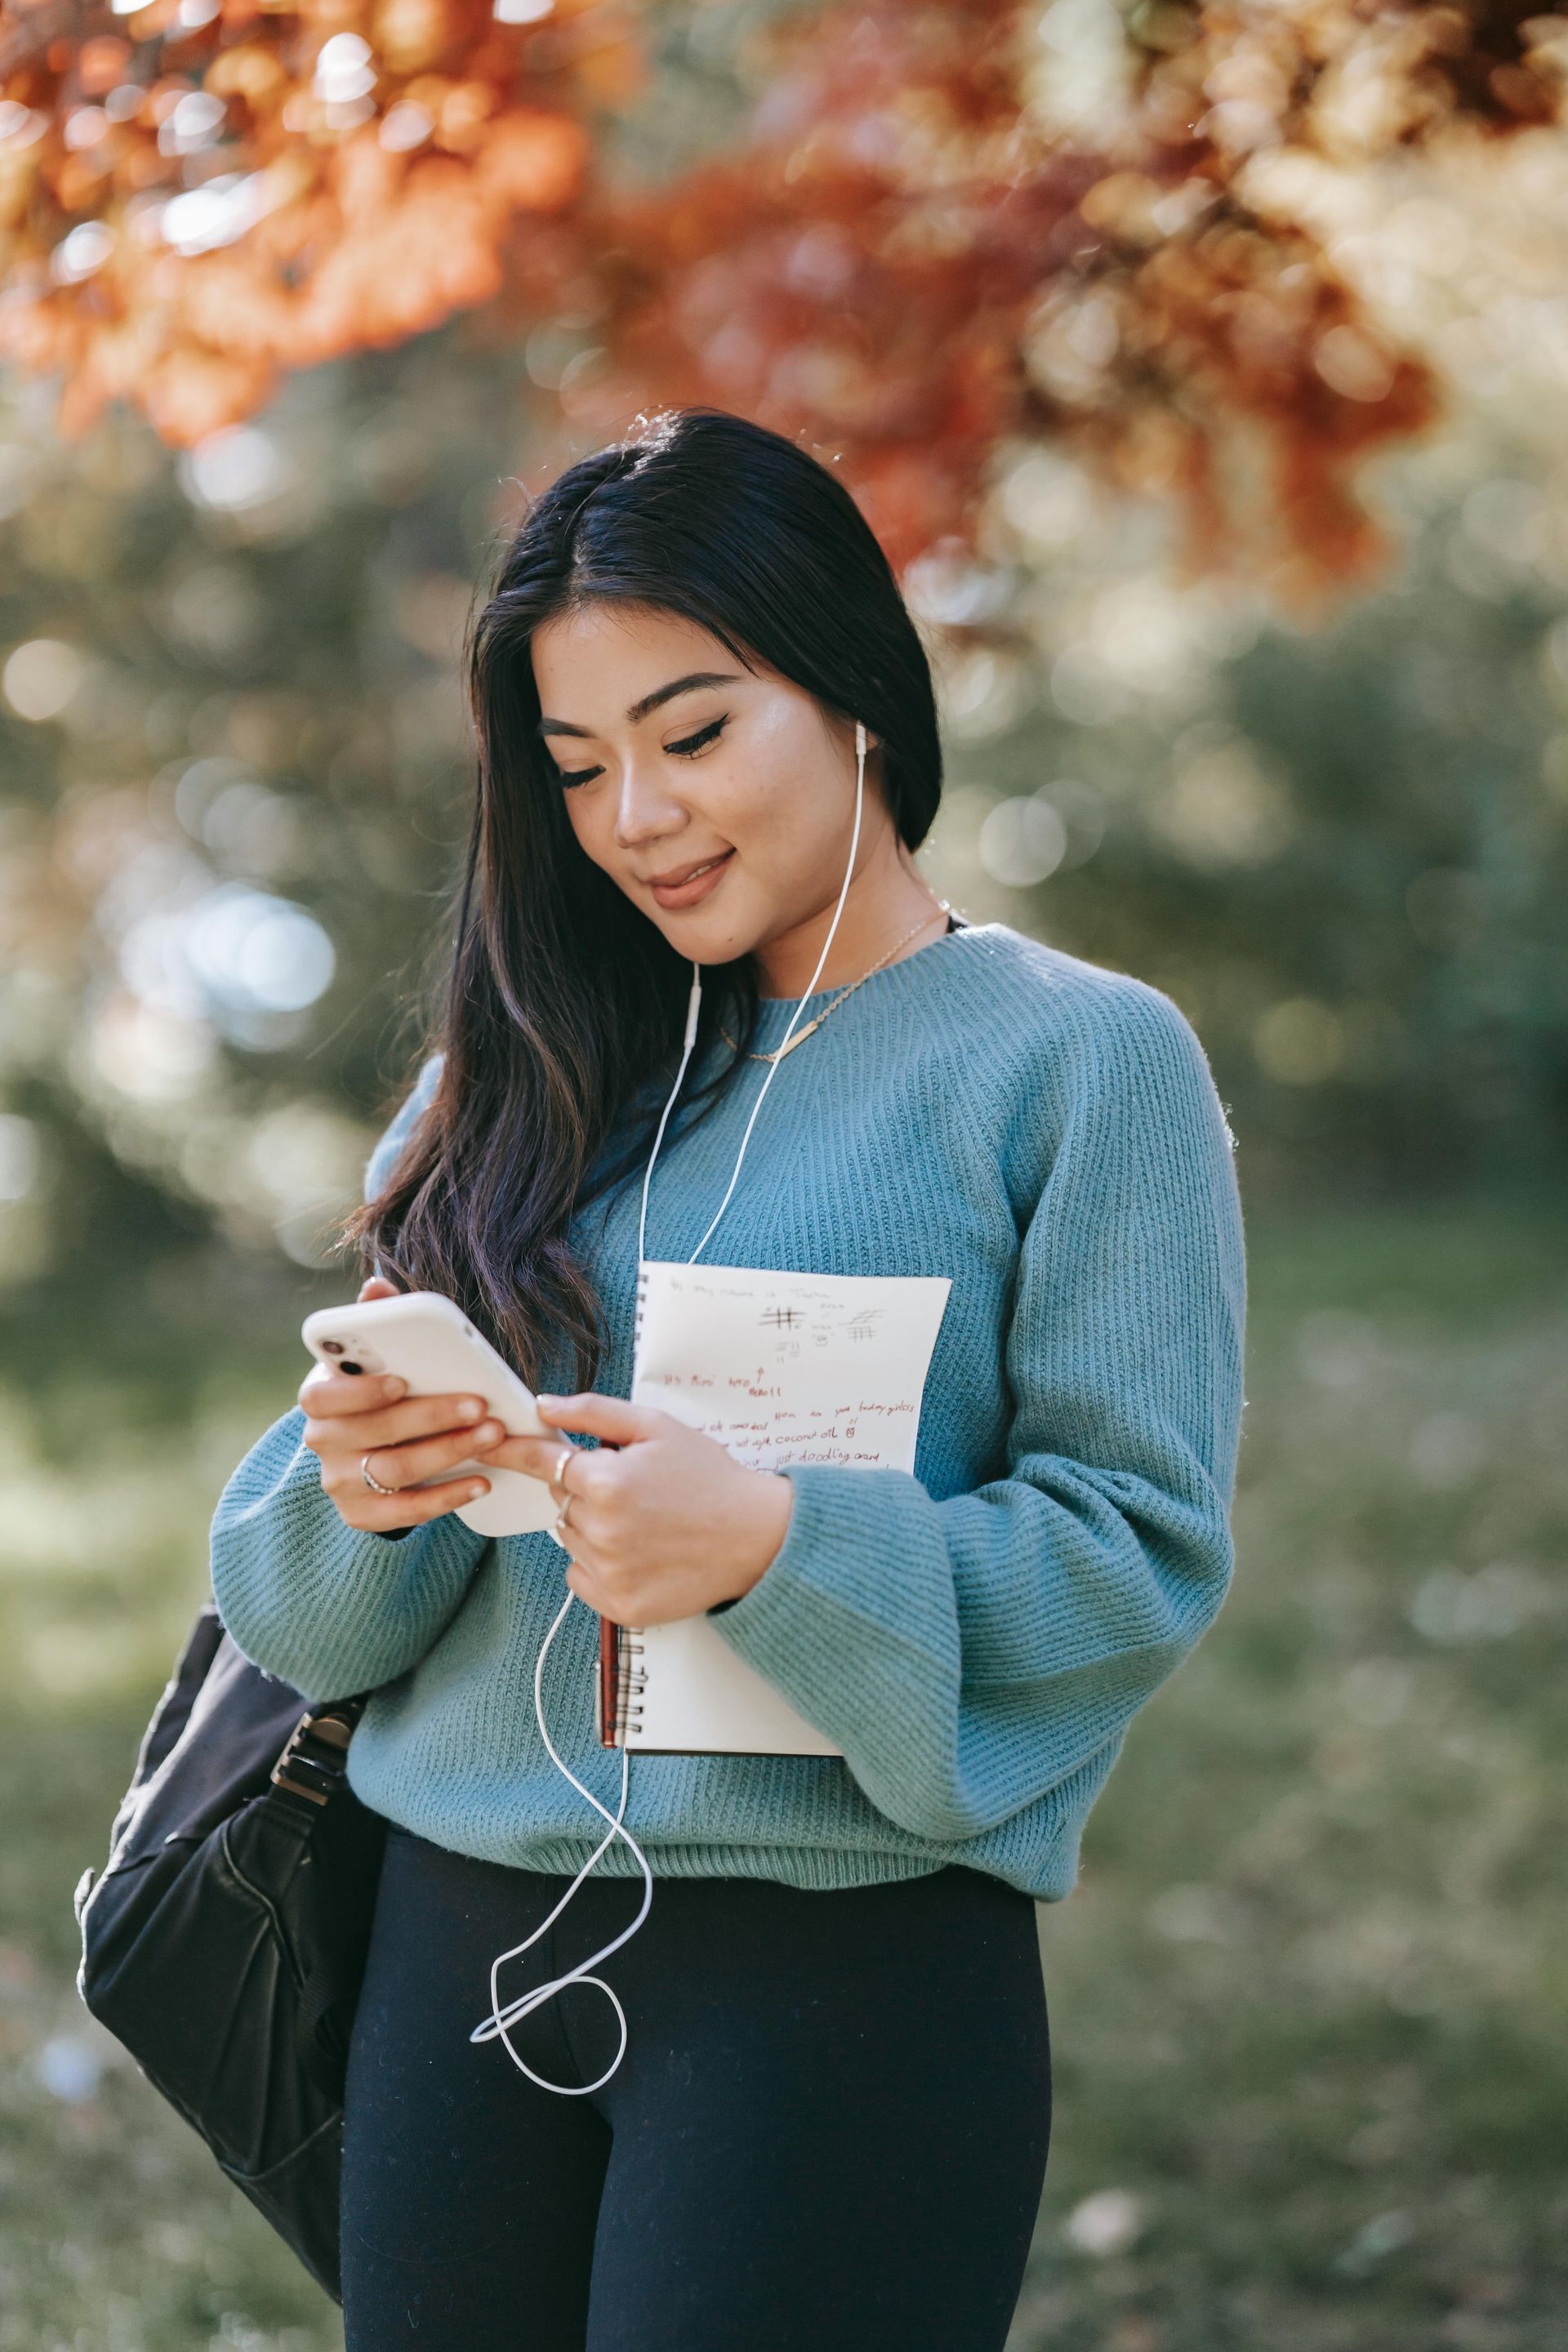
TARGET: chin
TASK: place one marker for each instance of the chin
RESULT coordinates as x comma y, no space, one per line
705,937
707,945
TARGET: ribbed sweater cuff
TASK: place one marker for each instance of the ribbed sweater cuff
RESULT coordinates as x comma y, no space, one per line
330,1608
824,1596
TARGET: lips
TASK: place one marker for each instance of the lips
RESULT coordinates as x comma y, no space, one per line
679,874
685,885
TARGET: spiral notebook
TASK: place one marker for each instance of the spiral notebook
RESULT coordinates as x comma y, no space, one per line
780,1368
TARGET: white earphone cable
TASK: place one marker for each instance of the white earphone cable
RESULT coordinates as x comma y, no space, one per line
494,2026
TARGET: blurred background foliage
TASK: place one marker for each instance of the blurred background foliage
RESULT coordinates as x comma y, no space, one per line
1309,1997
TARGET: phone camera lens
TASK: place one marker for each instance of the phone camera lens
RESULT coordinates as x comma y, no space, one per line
347,1366
333,1348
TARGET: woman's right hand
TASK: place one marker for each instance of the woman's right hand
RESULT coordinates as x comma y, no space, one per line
349,1417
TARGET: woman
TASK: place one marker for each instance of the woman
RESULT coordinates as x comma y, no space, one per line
829,2133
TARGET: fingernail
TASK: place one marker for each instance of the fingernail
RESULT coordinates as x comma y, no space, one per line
489,1435
541,1397
470,1409
395,1387
474,1492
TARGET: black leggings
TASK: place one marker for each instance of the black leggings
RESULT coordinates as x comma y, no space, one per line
828,2132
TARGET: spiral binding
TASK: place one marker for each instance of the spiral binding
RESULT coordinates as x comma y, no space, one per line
631,1681
624,1701
630,1685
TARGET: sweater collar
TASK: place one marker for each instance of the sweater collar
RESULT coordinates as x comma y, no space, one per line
911,976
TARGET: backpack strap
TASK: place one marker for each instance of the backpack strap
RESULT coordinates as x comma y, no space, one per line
314,1762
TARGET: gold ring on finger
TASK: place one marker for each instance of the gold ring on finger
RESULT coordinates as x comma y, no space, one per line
558,1476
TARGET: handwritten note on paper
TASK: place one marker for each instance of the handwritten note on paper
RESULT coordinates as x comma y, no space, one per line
779,1368
790,1366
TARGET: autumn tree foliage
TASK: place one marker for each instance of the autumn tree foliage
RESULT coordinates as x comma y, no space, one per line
920,255
951,226
202,192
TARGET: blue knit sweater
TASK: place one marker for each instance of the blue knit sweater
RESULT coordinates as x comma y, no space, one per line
976,1635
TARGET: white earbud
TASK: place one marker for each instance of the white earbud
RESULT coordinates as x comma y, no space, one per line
497,2023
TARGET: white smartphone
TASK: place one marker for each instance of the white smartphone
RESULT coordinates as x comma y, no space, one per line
429,1341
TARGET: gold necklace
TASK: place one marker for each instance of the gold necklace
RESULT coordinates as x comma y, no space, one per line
802,1034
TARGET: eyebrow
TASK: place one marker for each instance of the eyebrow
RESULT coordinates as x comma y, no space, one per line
639,710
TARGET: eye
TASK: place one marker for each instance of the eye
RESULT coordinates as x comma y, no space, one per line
692,744
687,749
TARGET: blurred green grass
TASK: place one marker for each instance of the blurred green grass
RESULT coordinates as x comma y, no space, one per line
1307,1999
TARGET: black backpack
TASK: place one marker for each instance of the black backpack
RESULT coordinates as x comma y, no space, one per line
223,1942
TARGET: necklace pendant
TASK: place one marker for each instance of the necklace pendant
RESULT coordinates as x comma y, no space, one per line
798,1039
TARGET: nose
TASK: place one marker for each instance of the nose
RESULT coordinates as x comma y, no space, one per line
647,810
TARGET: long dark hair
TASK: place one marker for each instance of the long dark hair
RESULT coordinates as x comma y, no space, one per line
565,1005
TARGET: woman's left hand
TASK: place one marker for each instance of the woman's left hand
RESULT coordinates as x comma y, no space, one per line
663,1520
